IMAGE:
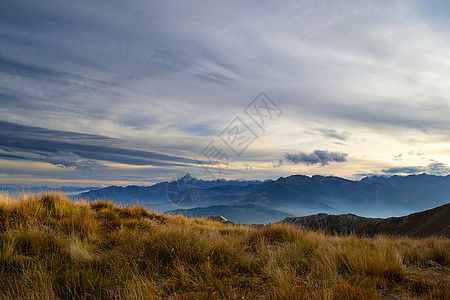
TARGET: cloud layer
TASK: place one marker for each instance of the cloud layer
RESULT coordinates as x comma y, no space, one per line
148,84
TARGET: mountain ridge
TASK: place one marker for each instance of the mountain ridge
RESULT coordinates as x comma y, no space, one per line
246,214
303,195
433,221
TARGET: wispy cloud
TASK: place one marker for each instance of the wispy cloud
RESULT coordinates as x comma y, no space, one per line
332,133
435,168
72,149
404,170
15,68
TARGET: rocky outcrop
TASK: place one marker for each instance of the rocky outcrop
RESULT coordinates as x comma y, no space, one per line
220,219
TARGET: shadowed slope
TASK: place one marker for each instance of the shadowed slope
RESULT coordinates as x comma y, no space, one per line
434,221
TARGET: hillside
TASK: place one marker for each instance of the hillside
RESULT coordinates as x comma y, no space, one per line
249,213
430,222
52,248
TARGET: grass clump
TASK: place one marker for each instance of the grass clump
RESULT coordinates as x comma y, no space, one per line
53,248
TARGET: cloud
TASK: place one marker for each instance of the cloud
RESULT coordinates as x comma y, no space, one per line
331,133
39,46
75,150
404,170
322,157
11,131
417,153
438,168
15,68
398,157
70,160
367,174
434,168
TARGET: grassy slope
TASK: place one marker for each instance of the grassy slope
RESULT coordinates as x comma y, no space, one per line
53,248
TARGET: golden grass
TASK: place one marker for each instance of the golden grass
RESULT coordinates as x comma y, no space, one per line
52,248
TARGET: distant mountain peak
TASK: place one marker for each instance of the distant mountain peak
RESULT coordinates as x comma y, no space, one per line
188,177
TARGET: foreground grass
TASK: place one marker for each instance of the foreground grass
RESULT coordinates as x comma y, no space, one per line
53,248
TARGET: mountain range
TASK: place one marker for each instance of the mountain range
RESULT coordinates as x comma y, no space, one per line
157,196
372,196
297,195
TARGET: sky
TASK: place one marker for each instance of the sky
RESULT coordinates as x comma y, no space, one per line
135,92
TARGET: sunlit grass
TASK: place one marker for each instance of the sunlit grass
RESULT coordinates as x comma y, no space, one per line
53,248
